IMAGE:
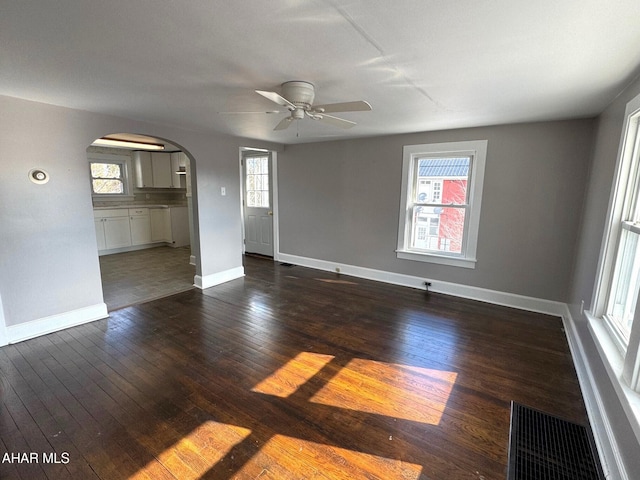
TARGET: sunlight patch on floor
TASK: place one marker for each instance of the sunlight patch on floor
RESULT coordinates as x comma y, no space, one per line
193,455
287,457
398,391
295,373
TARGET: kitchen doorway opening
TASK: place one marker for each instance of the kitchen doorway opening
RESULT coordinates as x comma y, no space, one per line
143,214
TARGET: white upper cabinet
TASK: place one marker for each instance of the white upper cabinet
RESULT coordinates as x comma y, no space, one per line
158,169
178,164
143,169
161,163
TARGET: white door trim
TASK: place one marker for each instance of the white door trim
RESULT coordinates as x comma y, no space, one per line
275,204
4,339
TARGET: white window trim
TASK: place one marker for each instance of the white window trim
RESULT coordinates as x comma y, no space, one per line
624,359
478,150
125,161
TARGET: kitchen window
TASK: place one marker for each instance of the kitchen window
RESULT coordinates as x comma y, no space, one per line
441,200
109,176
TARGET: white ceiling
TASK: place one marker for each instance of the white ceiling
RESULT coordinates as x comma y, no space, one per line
422,64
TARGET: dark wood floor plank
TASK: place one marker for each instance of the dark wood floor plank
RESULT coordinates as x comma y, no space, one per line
287,373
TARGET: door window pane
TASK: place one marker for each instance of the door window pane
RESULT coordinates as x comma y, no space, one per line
257,181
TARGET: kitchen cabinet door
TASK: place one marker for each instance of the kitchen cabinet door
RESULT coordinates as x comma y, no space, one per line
160,226
99,223
117,232
143,168
140,229
161,163
179,227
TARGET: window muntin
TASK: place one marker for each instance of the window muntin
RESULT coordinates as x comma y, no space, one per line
257,181
443,182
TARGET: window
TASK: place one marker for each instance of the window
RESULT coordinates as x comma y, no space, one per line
441,196
257,181
618,286
109,176
107,179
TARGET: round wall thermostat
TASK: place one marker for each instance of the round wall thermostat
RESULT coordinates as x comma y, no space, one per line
38,176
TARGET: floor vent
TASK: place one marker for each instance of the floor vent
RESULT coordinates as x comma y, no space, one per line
544,447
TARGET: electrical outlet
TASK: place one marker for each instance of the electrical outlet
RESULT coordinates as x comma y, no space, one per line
337,269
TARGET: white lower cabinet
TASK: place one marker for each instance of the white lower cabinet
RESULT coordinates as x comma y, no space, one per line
160,225
140,225
179,229
116,232
102,242
119,228
112,228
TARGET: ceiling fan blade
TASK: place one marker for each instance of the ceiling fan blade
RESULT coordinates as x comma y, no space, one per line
335,121
357,106
276,98
284,123
244,113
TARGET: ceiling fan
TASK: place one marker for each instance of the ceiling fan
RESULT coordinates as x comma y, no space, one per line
297,97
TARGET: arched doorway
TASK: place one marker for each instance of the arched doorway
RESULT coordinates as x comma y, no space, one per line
143,215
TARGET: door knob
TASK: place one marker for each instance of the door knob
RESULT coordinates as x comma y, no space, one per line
270,213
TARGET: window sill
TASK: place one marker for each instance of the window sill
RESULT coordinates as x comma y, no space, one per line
434,258
614,362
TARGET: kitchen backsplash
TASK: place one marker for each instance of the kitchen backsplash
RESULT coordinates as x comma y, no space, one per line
145,198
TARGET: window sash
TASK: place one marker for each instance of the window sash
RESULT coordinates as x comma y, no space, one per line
442,245
625,284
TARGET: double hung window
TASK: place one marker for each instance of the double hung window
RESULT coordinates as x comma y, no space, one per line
107,178
441,197
618,286
110,176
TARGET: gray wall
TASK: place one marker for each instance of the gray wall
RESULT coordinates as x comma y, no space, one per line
596,203
48,253
339,201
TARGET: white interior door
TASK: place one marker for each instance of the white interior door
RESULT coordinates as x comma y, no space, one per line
258,203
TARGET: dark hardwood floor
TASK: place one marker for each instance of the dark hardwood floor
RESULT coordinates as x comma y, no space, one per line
289,373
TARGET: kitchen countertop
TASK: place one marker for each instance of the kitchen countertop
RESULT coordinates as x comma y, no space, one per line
137,206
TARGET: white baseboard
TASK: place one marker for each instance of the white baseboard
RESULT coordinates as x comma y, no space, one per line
192,260
599,418
214,279
54,323
465,291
